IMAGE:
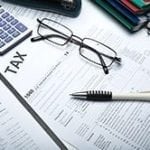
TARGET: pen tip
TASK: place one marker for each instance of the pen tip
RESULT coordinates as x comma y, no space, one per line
78,94
73,94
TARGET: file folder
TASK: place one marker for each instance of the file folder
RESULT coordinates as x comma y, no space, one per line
125,12
116,14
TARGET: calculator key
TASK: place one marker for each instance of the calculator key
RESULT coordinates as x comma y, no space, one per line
6,27
4,35
2,44
8,39
1,31
1,11
15,34
21,27
14,22
2,23
10,18
5,15
11,30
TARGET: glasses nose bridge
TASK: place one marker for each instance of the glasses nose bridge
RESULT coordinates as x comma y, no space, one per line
76,40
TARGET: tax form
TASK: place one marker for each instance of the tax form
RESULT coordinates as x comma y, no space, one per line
91,125
18,130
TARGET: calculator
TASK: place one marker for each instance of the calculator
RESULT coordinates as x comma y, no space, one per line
12,31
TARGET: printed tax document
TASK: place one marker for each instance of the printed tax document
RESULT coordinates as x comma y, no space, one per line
46,87
84,124
18,130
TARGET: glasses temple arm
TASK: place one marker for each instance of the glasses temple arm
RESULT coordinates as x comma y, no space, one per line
39,38
106,71
105,68
118,59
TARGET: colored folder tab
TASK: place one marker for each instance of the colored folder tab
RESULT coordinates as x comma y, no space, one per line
111,10
141,3
124,11
134,9
147,1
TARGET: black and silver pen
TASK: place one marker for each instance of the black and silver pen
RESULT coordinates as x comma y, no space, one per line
110,96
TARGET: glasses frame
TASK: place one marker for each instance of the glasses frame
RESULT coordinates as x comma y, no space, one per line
77,41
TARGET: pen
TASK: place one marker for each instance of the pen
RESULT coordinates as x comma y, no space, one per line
109,96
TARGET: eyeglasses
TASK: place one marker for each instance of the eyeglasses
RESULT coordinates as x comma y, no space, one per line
96,52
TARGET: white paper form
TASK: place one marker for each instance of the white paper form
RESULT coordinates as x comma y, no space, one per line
18,130
104,125
89,125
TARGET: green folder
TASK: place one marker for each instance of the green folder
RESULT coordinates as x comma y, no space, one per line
141,4
117,15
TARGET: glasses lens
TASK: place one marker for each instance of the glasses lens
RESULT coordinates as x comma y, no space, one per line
92,49
54,32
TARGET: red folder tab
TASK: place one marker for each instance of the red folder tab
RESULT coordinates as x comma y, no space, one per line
132,7
147,1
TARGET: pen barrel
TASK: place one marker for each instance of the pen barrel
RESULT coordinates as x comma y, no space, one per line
99,95
132,96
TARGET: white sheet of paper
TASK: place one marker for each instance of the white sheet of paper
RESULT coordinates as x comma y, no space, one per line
89,125
18,130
